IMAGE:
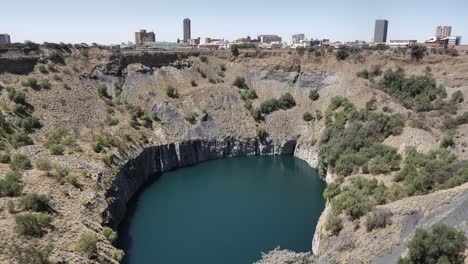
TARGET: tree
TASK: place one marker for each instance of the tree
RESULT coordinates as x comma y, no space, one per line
87,244
444,244
35,202
32,224
418,52
314,95
171,91
342,54
235,50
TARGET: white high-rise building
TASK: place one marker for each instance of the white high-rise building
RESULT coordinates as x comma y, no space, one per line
297,38
5,39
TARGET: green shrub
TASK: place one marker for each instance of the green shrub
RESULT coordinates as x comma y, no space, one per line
51,67
33,254
109,234
20,161
256,113
73,180
102,91
28,124
318,115
363,74
56,150
269,106
286,101
248,94
87,244
154,116
32,225
44,84
334,224
342,54
10,207
171,91
223,67
204,59
43,69
44,165
419,91
193,83
240,83
307,117
447,140
314,95
418,52
20,110
457,97
117,254
11,184
332,190
20,139
31,83
443,244
109,121
378,218
35,202
262,133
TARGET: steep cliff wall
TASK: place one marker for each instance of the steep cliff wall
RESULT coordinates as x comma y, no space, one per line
153,160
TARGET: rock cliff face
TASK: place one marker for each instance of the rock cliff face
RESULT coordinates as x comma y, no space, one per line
153,160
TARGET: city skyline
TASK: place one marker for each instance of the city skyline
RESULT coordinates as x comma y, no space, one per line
107,24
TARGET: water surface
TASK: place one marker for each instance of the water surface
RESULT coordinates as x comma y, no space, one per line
224,211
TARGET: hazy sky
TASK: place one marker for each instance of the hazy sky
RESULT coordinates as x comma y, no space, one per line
105,21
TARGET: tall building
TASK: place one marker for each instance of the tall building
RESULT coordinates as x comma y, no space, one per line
5,39
187,30
297,38
443,31
268,38
143,36
380,33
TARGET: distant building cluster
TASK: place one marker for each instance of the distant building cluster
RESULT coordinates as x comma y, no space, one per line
146,40
5,39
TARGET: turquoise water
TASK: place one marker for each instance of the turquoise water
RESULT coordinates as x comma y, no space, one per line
224,211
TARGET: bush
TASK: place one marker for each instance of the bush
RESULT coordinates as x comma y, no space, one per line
35,202
32,225
307,117
20,139
10,207
363,74
44,165
117,254
109,121
204,59
193,83
418,52
447,140
332,190
444,244
20,161
300,50
239,82
334,224
342,54
30,123
171,91
33,254
314,95
262,133
56,150
11,184
109,234
51,67
256,113
452,52
457,97
44,84
235,50
248,94
31,83
286,101
87,244
43,69
269,106
415,90
378,218
102,91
